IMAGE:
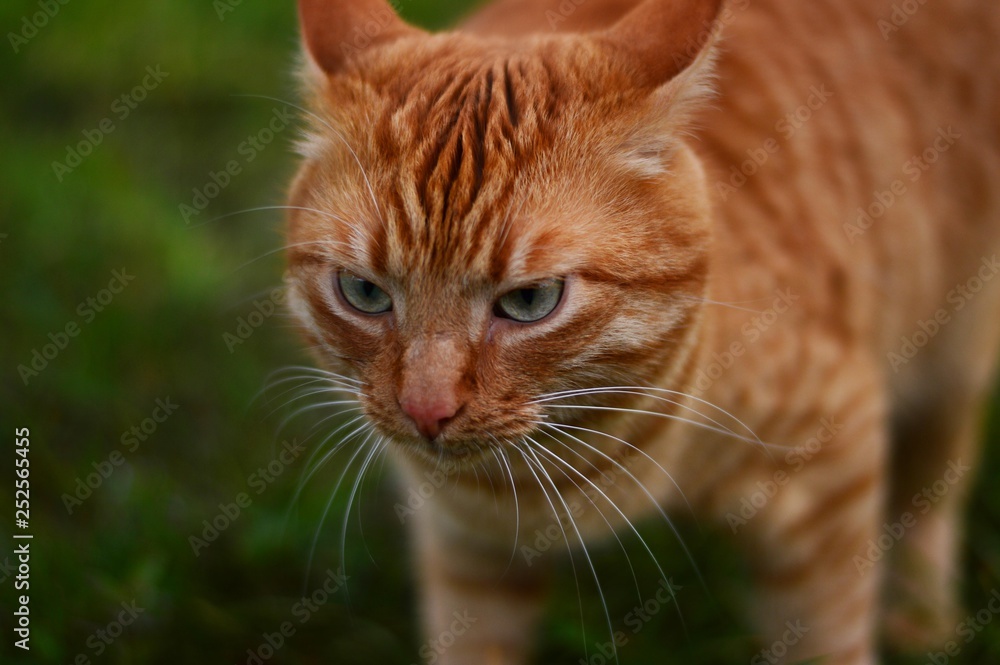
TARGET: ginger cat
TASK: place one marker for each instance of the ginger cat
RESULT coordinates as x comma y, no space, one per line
738,256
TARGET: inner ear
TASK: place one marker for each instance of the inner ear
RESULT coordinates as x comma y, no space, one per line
335,31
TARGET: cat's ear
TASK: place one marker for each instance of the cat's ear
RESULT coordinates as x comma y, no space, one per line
668,48
334,31
661,39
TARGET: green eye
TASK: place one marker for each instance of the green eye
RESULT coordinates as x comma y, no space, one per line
532,303
363,295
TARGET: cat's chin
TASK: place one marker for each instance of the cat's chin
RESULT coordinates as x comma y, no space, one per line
443,454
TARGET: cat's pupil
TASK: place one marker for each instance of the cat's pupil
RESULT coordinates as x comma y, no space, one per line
368,289
528,296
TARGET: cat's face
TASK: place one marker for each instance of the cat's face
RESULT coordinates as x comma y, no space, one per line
480,224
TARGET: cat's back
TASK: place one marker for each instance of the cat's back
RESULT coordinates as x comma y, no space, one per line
856,153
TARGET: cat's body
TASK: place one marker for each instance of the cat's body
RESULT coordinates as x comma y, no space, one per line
759,288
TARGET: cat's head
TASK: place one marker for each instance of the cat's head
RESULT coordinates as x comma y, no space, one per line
480,222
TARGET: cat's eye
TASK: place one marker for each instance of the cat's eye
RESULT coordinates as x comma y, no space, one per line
362,295
531,303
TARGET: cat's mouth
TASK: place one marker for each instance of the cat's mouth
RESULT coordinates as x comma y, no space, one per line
455,452
459,452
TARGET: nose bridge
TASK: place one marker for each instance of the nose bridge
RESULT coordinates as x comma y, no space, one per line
437,327
432,389
434,354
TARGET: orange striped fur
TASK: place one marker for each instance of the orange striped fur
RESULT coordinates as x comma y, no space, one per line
756,207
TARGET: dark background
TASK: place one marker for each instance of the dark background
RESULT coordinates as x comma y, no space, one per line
164,338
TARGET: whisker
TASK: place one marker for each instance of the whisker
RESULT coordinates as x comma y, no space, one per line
283,248
493,489
336,133
338,381
303,381
318,370
350,500
304,391
383,447
656,414
327,374
502,456
645,490
326,511
310,470
579,535
755,439
569,548
539,448
270,208
321,405
561,428
730,305
622,513
636,392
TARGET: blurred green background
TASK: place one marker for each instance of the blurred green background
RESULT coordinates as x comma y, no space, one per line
192,278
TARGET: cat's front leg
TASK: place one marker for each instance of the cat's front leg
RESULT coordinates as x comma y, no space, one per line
817,576
481,601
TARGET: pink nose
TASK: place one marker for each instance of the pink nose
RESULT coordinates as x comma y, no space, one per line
430,416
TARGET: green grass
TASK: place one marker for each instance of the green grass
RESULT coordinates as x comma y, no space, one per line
163,337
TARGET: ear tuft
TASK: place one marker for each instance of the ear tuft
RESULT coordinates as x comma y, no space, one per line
334,31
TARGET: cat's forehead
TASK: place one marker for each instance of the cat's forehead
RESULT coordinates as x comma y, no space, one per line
458,147
470,164
505,242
